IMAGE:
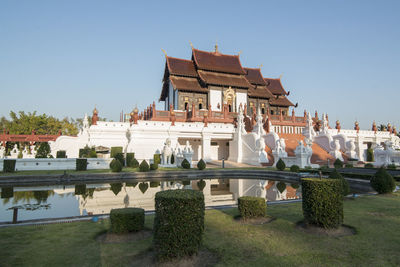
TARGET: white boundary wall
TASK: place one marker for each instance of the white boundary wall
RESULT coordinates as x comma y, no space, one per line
57,164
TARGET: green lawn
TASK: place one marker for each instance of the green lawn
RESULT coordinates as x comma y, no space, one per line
279,243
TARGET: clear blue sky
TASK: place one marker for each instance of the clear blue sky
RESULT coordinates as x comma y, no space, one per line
63,57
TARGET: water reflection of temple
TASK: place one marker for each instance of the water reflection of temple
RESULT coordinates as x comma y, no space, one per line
217,192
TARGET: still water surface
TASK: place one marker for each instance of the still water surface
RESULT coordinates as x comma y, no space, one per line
55,201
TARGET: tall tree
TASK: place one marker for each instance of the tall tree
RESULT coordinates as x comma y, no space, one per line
25,123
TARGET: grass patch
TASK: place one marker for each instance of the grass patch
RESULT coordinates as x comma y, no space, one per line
377,242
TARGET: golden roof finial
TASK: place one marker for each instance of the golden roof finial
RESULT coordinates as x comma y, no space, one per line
240,51
261,65
165,53
191,45
216,46
280,76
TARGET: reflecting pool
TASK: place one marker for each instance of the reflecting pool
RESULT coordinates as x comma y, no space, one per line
55,201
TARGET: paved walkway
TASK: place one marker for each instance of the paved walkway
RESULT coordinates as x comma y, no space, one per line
229,164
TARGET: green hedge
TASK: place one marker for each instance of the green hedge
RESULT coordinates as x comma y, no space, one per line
81,164
9,165
154,184
201,184
143,187
294,168
115,150
61,154
178,223
127,220
322,202
280,165
144,166
157,158
201,165
153,166
370,155
252,207
129,158
185,164
7,192
80,189
382,182
115,165
345,185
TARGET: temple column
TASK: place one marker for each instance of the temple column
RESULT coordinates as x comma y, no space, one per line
206,147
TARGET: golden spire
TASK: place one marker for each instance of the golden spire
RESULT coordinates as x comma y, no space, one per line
280,76
216,47
165,53
240,51
191,45
261,65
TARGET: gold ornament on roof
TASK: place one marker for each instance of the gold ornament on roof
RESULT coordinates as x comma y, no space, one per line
165,53
191,45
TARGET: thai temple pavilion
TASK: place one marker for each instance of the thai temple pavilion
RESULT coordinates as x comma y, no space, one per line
214,79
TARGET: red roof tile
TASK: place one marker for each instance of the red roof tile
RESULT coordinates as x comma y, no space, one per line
275,86
281,101
260,92
254,76
189,84
181,67
224,79
215,61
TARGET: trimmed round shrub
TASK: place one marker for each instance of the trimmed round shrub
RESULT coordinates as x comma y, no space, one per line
280,165
368,165
201,165
201,184
81,164
120,157
127,220
185,164
295,185
345,185
382,182
143,187
281,187
349,165
144,166
322,202
294,168
338,164
153,166
115,165
178,223
92,153
252,207
116,188
133,163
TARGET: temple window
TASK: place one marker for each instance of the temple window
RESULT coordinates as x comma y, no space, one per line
230,108
283,112
272,112
200,106
186,105
263,110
